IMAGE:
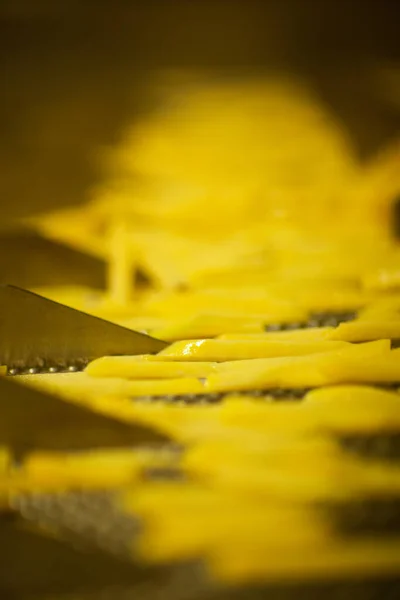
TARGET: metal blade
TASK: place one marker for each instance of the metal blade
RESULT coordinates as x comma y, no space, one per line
30,261
38,333
34,562
31,419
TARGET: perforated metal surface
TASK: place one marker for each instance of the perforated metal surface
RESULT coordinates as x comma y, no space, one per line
320,319
88,519
273,395
268,395
383,445
378,517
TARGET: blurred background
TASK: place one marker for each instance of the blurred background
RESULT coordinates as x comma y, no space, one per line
78,75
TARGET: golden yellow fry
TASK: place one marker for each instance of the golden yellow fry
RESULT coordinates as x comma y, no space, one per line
297,371
130,368
226,350
366,331
312,334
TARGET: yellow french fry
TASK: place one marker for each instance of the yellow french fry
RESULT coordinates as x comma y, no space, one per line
129,367
298,371
227,350
352,408
366,331
312,334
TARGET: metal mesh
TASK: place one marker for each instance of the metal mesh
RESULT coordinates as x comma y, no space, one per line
88,519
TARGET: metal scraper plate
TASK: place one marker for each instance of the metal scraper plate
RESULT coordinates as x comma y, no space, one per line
35,420
93,522
35,564
39,333
47,263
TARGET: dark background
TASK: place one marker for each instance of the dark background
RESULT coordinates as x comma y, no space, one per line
74,73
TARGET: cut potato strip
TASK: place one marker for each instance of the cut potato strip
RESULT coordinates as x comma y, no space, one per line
339,559
91,469
211,325
363,351
255,305
225,350
365,331
130,368
354,408
338,409
312,334
383,279
180,536
80,387
381,369
294,372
